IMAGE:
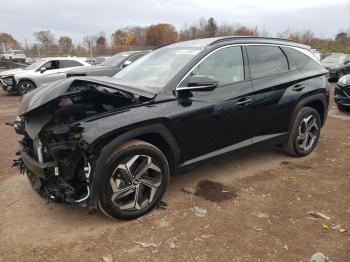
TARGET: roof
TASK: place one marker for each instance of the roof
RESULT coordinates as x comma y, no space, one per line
205,42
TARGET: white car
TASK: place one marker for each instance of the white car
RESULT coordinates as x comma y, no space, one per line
46,70
14,55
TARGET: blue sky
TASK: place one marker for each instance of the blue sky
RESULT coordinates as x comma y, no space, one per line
78,18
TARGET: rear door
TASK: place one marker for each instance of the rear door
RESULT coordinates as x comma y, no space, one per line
223,119
271,75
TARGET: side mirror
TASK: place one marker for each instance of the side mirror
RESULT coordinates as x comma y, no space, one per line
126,63
200,83
42,69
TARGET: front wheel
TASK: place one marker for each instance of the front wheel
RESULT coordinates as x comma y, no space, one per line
304,133
25,86
134,179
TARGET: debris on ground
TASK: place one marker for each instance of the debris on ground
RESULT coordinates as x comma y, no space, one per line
200,212
107,259
262,215
285,247
214,191
325,226
148,244
318,257
171,243
189,190
206,236
338,227
162,205
258,228
319,215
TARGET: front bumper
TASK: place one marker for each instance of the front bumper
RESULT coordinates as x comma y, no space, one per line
342,95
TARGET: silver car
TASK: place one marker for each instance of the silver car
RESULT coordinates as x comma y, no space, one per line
22,80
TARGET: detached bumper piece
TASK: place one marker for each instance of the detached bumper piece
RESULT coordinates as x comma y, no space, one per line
42,170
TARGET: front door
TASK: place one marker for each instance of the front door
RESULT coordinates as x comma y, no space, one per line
220,120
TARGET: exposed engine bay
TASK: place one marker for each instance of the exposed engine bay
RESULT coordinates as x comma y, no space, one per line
52,154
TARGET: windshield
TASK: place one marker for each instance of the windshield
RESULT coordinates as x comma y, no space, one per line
155,69
115,60
35,64
338,59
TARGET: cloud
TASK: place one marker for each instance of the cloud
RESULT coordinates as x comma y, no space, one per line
78,18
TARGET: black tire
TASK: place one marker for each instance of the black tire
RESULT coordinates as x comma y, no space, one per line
340,75
294,145
343,108
112,179
25,86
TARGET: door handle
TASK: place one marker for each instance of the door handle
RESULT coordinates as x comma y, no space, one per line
244,101
298,87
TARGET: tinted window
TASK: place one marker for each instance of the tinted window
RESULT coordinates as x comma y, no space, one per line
266,61
225,65
300,60
69,63
51,65
135,57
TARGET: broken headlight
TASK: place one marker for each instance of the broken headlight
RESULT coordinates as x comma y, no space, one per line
18,124
8,80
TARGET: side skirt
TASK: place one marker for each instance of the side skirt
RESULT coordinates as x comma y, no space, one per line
273,139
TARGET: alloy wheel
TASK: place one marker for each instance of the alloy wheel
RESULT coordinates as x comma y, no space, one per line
25,87
308,132
135,182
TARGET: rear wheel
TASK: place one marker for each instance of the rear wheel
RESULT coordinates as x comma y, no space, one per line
25,86
304,134
134,180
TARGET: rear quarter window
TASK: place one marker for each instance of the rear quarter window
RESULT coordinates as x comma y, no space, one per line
301,61
266,61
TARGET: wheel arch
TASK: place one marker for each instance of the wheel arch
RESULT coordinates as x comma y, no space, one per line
317,101
155,134
26,79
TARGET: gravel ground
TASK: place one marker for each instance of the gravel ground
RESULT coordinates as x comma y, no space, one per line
263,217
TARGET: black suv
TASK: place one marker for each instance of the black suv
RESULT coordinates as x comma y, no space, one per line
338,65
110,66
113,142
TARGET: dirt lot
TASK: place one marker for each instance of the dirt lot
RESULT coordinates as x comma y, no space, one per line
264,217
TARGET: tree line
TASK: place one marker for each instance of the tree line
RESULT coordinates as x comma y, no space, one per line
149,37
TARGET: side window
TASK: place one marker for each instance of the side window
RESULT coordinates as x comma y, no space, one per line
300,60
225,65
54,64
266,61
135,57
69,63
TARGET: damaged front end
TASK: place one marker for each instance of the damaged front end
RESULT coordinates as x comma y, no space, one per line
53,153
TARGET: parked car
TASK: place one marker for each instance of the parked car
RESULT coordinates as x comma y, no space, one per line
338,65
342,93
110,66
14,55
113,142
46,70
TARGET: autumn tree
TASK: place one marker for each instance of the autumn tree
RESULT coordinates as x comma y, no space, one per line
65,44
211,27
7,42
45,37
118,37
138,33
161,34
101,43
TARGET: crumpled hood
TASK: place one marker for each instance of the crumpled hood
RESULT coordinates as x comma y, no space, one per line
12,72
45,94
90,69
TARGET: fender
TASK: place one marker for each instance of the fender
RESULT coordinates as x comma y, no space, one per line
320,97
25,78
159,129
